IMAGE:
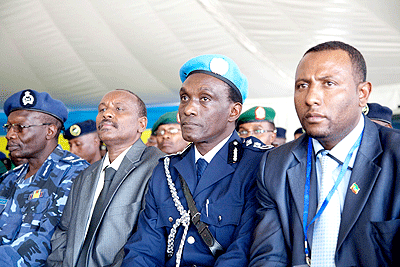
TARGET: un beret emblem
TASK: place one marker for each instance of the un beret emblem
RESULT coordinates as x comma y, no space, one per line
75,130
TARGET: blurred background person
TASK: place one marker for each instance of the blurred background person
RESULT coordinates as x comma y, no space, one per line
84,141
379,114
152,140
298,133
258,122
168,132
280,137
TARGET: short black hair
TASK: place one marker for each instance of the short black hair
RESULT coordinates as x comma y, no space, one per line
357,59
234,95
141,106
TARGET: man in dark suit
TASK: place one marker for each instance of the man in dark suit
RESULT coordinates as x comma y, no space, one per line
98,221
341,176
212,94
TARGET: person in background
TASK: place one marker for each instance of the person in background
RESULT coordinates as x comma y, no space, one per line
379,114
33,195
84,141
152,140
3,163
280,137
331,197
107,197
168,133
298,133
258,122
215,175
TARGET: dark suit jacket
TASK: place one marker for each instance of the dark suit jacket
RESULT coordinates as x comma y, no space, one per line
125,200
225,197
369,229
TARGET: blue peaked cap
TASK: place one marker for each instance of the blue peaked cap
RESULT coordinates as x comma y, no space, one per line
32,100
220,67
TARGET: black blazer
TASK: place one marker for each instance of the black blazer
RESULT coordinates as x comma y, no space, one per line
369,229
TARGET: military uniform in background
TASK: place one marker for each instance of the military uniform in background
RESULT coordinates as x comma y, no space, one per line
33,207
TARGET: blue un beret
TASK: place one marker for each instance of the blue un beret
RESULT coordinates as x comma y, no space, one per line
377,112
220,67
32,100
79,129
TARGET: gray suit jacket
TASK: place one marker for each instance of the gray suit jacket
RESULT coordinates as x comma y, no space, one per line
125,200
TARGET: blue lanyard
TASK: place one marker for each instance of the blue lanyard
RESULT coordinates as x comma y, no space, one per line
330,194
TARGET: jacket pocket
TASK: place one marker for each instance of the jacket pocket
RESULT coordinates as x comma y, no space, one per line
386,236
222,220
34,210
167,216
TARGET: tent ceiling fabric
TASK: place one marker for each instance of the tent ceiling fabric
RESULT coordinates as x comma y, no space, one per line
77,50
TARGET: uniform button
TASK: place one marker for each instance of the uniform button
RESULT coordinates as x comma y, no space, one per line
191,240
194,265
219,218
171,219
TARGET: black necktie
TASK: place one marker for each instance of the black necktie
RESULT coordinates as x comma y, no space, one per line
201,165
109,173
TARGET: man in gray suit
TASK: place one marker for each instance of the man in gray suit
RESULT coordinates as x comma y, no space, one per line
98,221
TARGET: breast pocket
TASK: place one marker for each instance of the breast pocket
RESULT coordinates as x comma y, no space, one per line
222,219
167,216
386,236
35,207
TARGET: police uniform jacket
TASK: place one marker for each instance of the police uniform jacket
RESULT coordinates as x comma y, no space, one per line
30,212
369,229
225,197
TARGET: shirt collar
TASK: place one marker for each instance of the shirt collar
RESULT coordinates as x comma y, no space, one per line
341,150
210,154
117,162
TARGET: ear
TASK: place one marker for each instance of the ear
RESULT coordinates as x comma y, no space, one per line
236,109
364,90
142,124
273,136
51,131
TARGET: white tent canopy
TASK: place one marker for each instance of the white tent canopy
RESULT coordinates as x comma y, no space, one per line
77,50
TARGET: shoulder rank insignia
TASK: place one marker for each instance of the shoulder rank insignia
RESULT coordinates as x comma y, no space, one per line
235,152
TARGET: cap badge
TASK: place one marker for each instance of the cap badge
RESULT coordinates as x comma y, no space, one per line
75,130
260,113
27,99
365,109
219,66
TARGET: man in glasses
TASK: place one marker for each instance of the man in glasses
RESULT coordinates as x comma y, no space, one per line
258,122
168,133
33,195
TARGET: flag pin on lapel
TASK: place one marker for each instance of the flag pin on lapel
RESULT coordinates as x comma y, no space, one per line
354,188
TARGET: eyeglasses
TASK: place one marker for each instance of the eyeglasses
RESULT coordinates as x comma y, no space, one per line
170,131
18,127
256,132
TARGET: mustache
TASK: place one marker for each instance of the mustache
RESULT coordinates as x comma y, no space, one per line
108,122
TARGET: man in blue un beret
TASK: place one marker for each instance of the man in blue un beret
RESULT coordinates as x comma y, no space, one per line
201,203
33,195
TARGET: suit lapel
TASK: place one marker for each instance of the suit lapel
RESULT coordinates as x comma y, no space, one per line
86,194
187,170
297,180
128,164
218,168
364,174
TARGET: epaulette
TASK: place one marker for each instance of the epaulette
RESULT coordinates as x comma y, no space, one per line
255,144
71,158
